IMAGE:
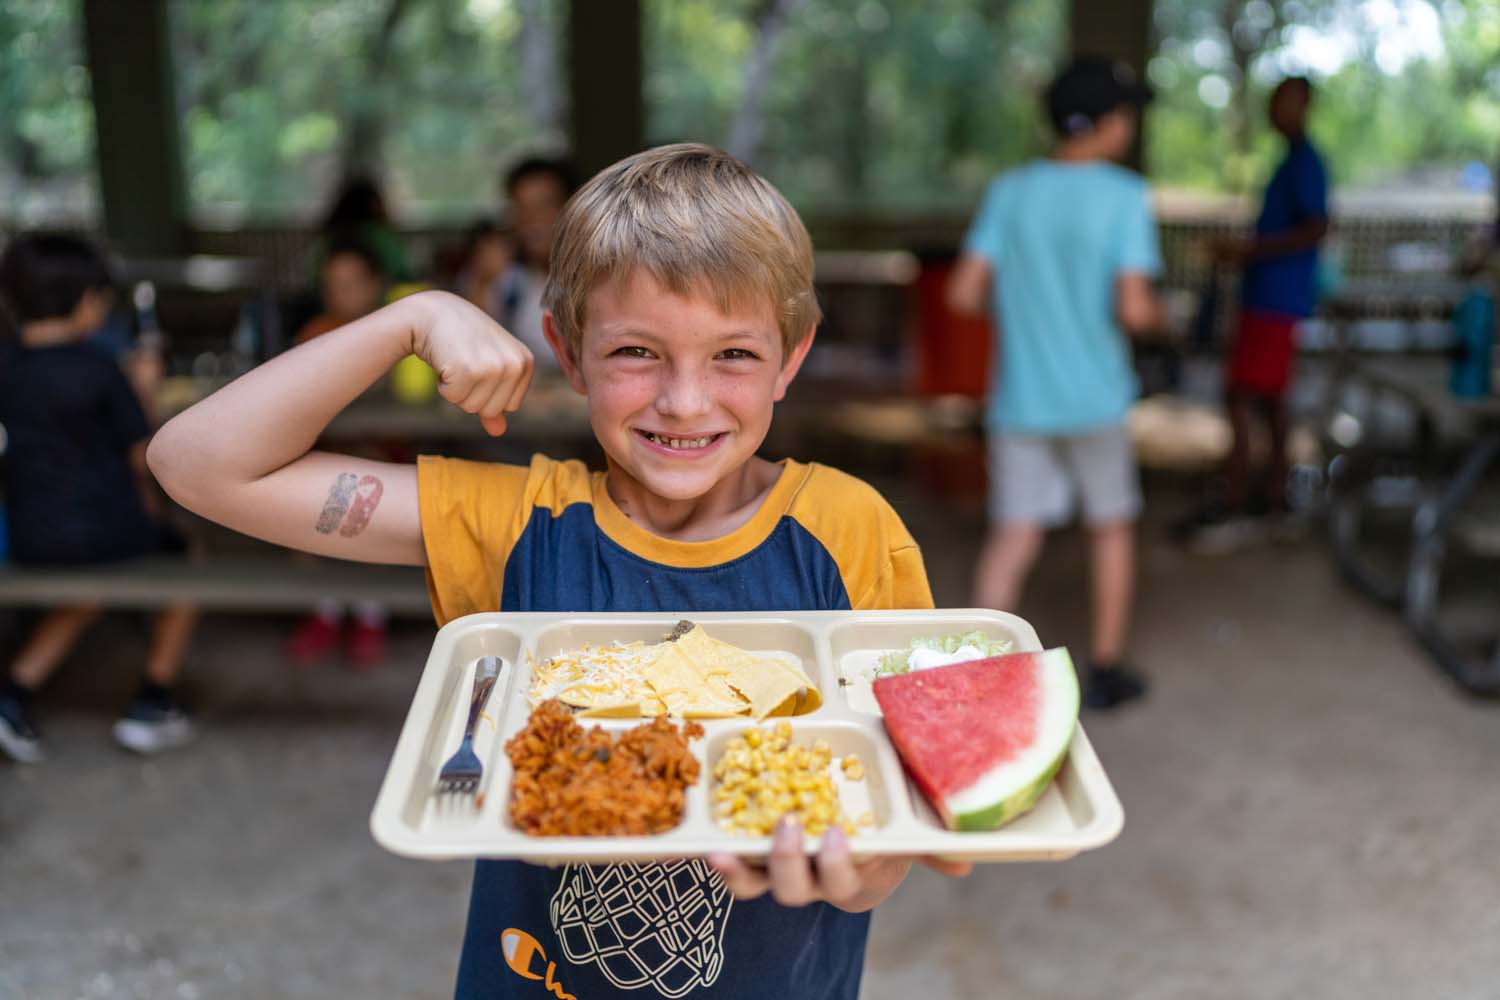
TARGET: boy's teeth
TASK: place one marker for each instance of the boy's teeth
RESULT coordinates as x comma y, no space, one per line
698,442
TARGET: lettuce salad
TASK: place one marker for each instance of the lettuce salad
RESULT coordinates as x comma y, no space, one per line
939,650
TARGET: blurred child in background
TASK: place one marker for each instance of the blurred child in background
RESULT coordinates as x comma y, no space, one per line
1064,249
486,255
352,282
1280,289
1476,322
76,487
536,189
359,211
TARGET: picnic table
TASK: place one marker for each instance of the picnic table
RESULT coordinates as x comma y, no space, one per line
1432,471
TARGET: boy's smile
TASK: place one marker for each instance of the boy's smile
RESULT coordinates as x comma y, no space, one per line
680,394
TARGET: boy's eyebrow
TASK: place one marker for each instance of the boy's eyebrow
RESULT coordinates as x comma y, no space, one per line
630,331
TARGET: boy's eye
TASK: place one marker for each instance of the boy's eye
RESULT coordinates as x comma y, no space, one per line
632,352
737,354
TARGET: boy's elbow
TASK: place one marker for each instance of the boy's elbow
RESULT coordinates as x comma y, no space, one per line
165,460
963,302
1140,319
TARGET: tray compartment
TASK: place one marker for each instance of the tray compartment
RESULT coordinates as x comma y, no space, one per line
444,694
768,636
695,802
855,646
871,794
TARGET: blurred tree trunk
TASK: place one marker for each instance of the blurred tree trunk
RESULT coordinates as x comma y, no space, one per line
854,150
141,181
750,118
1236,164
366,114
536,55
1246,41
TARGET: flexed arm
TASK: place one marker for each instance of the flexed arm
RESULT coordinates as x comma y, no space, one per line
243,457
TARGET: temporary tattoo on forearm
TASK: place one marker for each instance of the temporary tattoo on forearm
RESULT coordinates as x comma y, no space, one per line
366,498
337,504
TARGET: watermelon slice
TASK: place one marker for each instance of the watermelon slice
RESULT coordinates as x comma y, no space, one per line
983,739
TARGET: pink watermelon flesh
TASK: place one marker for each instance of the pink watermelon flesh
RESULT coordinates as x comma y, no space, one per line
1000,723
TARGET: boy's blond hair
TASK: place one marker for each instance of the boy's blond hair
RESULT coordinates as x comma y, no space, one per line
699,222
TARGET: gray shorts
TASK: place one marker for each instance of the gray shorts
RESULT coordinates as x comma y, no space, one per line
1036,478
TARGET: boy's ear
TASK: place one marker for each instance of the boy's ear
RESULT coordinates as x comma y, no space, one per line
793,363
564,354
92,309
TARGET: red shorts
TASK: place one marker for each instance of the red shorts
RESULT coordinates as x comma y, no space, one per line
1260,359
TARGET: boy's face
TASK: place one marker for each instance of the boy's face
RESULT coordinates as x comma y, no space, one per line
680,394
1288,108
351,288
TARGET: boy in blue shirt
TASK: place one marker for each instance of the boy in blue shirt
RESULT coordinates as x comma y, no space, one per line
1064,249
679,300
1278,292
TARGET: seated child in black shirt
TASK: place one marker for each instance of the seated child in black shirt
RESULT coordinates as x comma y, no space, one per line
75,482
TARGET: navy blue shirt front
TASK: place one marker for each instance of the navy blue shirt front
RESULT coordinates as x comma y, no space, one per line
70,420
1298,193
548,538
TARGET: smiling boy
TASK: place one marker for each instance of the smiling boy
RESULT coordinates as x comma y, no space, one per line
680,302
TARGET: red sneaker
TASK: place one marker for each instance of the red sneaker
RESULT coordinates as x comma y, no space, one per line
364,645
314,639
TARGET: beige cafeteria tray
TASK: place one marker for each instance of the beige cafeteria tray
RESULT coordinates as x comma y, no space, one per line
1078,812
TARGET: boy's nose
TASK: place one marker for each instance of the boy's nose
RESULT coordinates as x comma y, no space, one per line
684,394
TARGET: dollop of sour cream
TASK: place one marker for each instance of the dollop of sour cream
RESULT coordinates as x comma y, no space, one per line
926,659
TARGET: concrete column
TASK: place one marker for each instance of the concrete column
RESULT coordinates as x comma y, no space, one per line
135,124
606,78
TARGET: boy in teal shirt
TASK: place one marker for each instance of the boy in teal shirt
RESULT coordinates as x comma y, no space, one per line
1064,250
679,301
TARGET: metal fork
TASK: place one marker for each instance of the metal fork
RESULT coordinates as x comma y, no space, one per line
461,773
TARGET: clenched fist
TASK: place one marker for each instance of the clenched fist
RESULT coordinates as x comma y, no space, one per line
480,367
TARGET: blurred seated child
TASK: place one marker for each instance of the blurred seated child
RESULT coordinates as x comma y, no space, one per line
76,487
352,282
486,256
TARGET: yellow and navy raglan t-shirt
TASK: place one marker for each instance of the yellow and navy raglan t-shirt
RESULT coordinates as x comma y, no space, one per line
547,537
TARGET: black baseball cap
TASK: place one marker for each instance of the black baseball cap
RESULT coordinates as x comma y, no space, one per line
1089,88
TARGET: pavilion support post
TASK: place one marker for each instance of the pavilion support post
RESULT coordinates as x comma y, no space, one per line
135,125
606,79
1116,29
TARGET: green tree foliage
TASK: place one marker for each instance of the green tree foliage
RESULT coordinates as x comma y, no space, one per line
282,97
1387,107
46,115
872,104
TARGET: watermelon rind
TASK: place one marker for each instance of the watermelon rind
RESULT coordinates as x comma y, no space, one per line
1013,788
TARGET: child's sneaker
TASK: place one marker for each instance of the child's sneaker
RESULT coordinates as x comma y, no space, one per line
19,739
151,725
314,639
365,644
1106,687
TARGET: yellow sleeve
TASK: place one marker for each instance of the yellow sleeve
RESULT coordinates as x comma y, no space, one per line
878,560
904,584
473,513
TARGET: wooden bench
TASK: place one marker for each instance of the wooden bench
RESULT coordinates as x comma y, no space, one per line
239,583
